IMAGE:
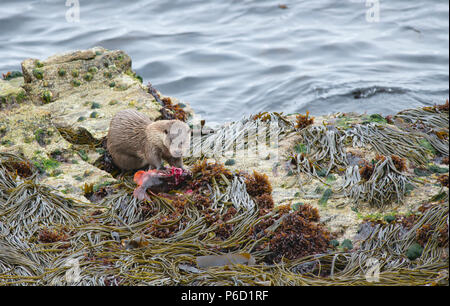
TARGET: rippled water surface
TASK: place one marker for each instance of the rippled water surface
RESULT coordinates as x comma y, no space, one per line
233,57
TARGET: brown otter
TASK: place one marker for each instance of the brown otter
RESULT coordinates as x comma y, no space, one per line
134,141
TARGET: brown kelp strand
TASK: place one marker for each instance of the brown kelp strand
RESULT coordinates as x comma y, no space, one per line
321,149
429,122
30,205
387,247
387,141
248,132
123,241
384,184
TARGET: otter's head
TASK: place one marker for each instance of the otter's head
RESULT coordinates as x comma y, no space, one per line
177,137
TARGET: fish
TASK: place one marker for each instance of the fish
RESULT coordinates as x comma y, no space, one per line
159,181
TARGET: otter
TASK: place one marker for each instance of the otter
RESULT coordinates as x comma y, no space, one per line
134,141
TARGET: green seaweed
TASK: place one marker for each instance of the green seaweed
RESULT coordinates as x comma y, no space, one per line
76,83
377,118
44,165
47,96
389,218
326,195
12,75
437,169
414,251
95,105
334,243
93,70
88,77
38,73
300,148
347,244
296,206
83,155
427,145
331,178
230,162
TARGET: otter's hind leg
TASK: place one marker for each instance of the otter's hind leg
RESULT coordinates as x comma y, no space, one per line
128,162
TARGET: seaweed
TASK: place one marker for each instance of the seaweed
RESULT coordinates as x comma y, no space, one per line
443,180
298,236
204,173
11,75
47,235
242,134
388,141
123,241
173,111
303,121
258,184
16,165
430,123
386,184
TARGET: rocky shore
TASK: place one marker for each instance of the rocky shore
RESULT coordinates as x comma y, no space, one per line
363,174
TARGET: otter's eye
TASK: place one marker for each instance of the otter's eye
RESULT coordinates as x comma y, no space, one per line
166,132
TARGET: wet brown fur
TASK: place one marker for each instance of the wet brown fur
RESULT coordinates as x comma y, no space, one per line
134,141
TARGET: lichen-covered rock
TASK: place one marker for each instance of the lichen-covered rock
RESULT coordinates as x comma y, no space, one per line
11,92
57,113
86,88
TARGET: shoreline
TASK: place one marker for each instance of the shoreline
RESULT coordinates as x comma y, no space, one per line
57,116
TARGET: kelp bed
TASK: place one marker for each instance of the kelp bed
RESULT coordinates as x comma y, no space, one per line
50,239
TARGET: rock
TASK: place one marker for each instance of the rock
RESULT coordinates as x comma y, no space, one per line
11,92
57,113
69,85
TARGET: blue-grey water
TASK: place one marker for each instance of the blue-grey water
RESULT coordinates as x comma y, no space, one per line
231,58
